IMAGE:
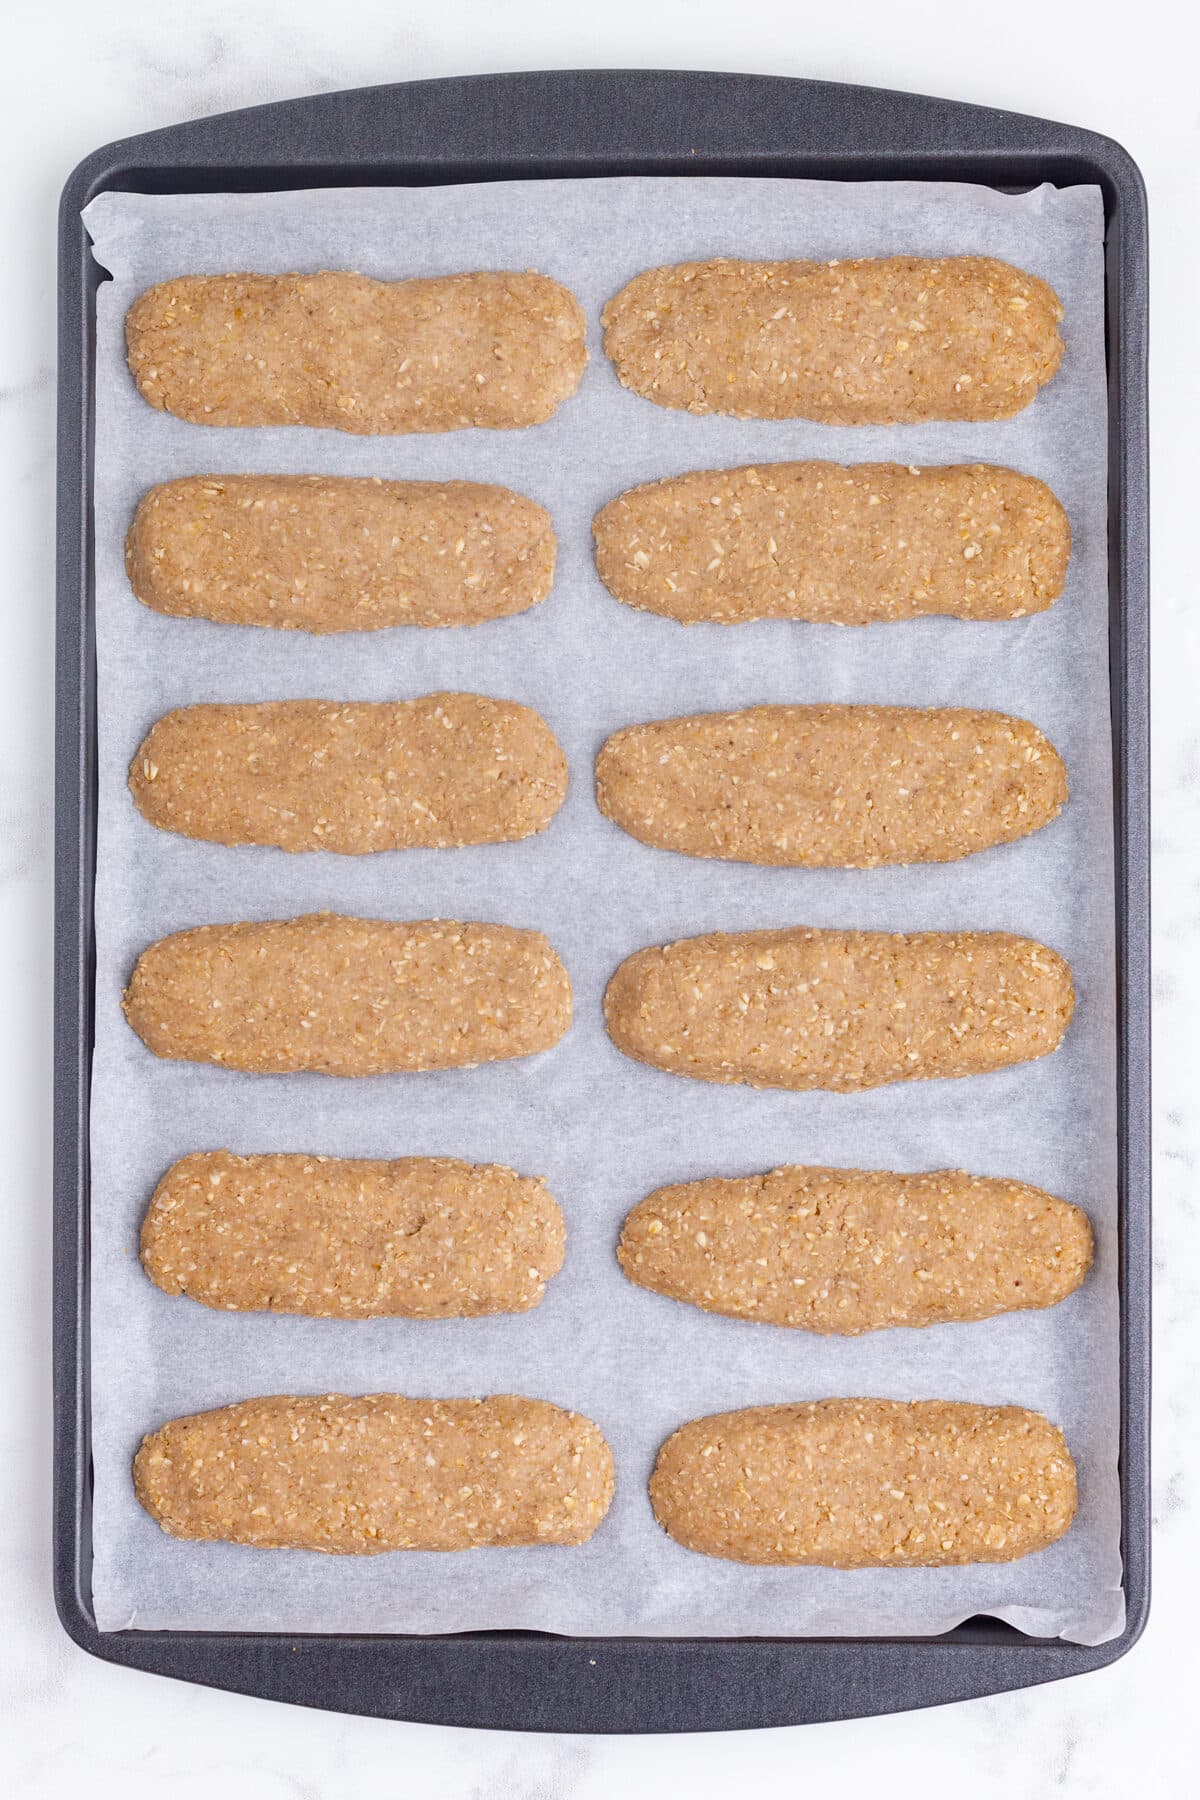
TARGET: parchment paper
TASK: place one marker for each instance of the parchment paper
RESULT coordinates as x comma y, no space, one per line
603,1130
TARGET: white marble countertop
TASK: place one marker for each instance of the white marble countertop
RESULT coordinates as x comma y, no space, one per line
76,75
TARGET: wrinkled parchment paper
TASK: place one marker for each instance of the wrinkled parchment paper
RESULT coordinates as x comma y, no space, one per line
603,1130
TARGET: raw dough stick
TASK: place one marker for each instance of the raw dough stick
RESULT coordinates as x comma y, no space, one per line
838,546
860,1484
822,787
347,996
853,1250
358,1476
895,341
424,1237
498,349
841,1010
326,553
351,776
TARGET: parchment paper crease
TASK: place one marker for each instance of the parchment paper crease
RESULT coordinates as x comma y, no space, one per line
601,1129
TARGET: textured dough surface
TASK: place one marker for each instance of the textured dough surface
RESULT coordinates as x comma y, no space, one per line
326,553
843,1010
352,776
493,348
356,1476
836,545
850,1250
347,996
423,1237
831,786
859,1484
892,341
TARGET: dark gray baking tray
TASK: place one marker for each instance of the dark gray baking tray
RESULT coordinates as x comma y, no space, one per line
506,127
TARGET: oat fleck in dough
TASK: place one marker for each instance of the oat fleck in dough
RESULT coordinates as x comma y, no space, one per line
347,996
831,786
498,349
423,1237
327,553
862,1484
842,1010
356,1476
894,341
851,1250
351,776
818,542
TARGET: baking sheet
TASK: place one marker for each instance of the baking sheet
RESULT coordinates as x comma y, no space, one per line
603,1130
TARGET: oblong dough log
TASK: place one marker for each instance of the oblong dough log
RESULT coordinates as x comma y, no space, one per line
851,1250
836,545
842,1010
328,553
357,1476
831,786
347,996
352,776
893,341
494,348
858,1484
421,1237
